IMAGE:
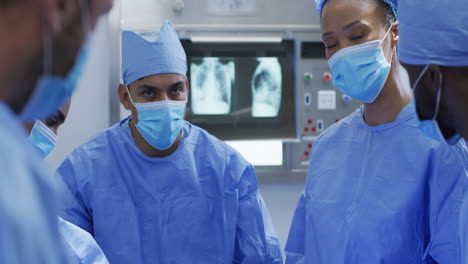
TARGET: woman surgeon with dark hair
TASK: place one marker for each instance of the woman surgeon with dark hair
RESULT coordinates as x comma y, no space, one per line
378,190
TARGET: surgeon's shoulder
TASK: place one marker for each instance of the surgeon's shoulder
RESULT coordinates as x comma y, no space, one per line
98,144
211,145
446,154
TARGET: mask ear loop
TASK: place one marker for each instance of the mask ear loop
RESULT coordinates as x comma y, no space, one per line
130,96
386,34
420,77
439,89
394,48
439,93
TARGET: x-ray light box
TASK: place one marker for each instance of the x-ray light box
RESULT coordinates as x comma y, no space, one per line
243,90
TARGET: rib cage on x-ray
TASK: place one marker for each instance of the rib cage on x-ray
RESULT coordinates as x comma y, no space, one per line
211,81
266,88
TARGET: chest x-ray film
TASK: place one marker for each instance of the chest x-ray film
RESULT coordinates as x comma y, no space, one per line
212,80
267,85
243,90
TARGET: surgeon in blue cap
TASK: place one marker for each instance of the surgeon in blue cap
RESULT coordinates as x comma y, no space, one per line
378,190
79,245
433,48
156,189
434,51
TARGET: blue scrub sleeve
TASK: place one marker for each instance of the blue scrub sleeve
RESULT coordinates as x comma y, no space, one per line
447,187
464,230
72,205
256,239
296,240
82,246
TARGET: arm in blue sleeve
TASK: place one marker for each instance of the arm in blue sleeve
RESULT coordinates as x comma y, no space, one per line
256,239
464,230
81,246
72,204
295,250
447,188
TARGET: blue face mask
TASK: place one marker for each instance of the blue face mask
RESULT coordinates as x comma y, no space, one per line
361,71
42,138
160,122
431,128
53,91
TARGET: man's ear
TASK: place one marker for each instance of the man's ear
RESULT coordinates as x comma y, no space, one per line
124,97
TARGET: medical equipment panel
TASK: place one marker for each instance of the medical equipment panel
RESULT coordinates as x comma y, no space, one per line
227,43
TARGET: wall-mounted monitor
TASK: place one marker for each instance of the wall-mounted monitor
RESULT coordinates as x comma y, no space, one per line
243,90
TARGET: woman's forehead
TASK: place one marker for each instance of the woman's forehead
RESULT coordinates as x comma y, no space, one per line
343,12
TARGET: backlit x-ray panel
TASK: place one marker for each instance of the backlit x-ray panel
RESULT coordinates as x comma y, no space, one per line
242,90
212,80
267,85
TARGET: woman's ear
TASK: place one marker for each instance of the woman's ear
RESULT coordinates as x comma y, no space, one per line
395,34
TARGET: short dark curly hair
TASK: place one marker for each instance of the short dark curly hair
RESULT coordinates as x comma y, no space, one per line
388,13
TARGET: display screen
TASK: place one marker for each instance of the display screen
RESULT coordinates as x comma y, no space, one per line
243,91
212,80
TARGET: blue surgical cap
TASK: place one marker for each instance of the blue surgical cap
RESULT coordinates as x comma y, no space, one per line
393,4
434,32
142,57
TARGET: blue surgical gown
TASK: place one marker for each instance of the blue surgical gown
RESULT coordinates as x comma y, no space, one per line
28,209
462,151
464,230
378,194
199,205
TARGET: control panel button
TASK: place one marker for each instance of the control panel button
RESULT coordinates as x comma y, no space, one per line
310,121
346,99
307,99
327,76
178,6
320,125
308,76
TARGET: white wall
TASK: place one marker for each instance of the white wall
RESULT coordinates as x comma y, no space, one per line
89,112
